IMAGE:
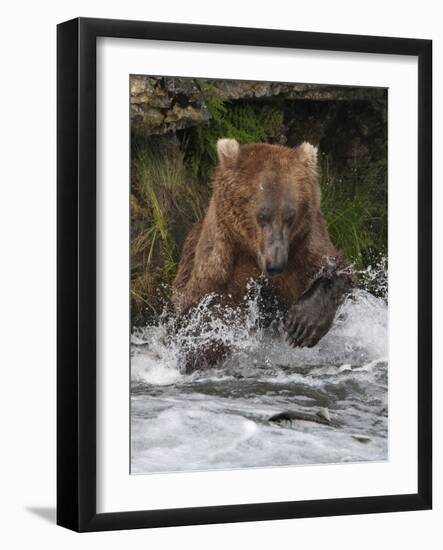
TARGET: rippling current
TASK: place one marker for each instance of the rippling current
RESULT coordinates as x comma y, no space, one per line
220,418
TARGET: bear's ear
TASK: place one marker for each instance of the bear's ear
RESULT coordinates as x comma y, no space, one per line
308,155
227,150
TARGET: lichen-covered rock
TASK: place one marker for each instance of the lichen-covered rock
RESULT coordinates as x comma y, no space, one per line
182,117
242,89
161,105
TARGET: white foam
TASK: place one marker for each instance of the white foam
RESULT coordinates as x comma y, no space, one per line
146,369
358,336
219,418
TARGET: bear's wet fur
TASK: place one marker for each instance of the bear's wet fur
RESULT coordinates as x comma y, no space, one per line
264,217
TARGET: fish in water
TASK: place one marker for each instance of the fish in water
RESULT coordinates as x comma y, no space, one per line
361,438
288,418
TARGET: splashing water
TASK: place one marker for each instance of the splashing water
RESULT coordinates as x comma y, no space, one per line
219,418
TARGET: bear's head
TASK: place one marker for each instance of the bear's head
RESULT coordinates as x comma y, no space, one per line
265,198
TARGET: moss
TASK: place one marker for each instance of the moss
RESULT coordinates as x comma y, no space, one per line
248,122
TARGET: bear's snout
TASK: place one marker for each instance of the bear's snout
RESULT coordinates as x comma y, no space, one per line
274,269
276,259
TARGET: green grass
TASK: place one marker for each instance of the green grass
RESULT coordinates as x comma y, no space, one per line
165,201
355,208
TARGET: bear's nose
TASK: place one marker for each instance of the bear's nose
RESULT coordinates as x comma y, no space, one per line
274,269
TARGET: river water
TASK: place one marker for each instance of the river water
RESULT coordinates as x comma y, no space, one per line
219,419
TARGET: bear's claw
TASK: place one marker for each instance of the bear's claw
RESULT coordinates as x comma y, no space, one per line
311,318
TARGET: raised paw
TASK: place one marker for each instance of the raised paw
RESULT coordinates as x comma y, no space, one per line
311,318
303,329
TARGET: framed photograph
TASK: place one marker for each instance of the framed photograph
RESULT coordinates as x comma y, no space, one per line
244,274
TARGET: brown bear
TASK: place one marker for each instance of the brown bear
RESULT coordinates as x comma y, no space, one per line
264,219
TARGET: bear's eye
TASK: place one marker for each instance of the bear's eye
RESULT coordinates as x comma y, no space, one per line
289,217
263,217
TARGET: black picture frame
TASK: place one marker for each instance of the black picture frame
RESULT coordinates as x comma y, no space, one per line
76,280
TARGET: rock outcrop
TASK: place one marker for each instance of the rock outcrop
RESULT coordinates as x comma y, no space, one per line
161,104
166,104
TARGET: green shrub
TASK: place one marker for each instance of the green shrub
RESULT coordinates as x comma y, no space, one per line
248,122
